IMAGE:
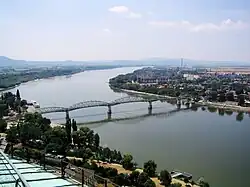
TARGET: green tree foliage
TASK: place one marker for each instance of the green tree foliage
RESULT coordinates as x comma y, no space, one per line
240,116
211,109
119,157
149,183
165,178
23,103
37,120
222,97
127,161
133,177
107,153
18,95
3,125
96,140
142,179
28,132
241,100
150,168
56,139
229,112
230,96
9,99
3,109
175,185
221,111
12,135
68,130
74,126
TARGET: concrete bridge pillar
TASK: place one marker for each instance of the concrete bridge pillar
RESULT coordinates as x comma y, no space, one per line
67,115
150,107
109,111
187,104
178,104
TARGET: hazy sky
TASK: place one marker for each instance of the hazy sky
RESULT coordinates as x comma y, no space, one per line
125,29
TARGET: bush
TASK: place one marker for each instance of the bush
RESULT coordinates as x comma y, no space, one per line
175,185
3,126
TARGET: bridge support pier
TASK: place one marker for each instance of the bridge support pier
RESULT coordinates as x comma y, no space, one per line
178,104
67,115
109,112
150,107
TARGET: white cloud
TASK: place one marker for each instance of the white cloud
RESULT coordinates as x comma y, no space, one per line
125,10
223,25
119,9
134,15
150,13
107,30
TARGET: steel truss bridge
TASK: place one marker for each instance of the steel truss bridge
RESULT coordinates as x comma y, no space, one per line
96,103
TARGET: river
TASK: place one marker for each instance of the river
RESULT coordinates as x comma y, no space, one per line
199,142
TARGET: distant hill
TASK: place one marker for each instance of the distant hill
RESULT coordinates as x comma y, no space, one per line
7,62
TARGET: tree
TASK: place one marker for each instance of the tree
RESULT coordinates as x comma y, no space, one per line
74,126
241,100
127,162
3,109
57,136
221,111
230,96
68,130
150,168
79,138
240,116
18,95
29,131
149,183
165,178
96,140
3,125
119,157
175,185
229,112
222,97
133,177
107,153
12,135
214,95
142,179
120,179
23,103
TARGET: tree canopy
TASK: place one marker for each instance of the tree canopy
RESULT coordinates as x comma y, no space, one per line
150,168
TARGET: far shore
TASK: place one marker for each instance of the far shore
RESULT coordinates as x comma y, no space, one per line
224,106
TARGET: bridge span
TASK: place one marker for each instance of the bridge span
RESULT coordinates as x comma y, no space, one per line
98,103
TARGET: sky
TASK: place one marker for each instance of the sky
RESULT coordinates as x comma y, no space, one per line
125,29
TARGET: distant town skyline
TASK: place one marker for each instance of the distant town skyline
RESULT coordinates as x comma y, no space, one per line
213,30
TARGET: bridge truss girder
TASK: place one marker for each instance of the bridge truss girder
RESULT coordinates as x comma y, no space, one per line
87,104
132,100
51,110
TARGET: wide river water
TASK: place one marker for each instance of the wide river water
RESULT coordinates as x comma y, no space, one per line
199,142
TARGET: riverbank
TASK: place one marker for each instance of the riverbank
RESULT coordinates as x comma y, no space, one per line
225,106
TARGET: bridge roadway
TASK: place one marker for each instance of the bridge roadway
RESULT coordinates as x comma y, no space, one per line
96,103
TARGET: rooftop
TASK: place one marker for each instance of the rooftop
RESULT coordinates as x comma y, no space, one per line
14,171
